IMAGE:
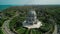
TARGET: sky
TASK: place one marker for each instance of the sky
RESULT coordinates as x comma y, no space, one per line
29,2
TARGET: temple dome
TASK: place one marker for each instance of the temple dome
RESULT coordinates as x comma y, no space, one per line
32,12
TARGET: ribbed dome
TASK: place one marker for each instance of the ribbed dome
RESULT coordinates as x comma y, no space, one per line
32,12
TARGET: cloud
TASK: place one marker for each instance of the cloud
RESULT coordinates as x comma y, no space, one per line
44,2
27,2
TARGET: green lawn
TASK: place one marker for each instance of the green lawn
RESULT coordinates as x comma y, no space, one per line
1,31
46,16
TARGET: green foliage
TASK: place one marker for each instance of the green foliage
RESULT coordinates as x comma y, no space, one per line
48,17
1,31
1,21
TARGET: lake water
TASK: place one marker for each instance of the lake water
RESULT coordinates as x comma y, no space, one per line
2,7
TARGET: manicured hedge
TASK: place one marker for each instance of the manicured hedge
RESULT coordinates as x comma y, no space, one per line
1,31
42,15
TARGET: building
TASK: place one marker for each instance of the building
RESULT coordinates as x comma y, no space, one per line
31,20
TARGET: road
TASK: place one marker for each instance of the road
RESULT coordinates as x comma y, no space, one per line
6,30
55,31
5,26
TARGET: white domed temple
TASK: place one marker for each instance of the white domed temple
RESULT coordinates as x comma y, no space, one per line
31,20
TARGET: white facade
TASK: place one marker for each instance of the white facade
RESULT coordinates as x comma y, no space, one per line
31,20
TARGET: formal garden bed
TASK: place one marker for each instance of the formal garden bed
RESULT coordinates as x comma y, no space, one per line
1,32
47,27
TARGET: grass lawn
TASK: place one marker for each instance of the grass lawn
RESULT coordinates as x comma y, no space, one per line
1,31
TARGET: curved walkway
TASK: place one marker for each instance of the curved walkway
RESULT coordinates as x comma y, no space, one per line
55,31
5,26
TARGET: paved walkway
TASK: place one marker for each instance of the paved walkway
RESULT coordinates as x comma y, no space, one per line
5,26
55,31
